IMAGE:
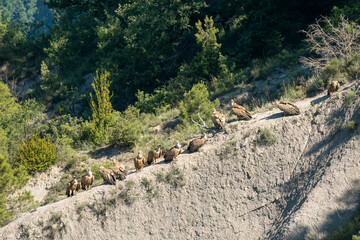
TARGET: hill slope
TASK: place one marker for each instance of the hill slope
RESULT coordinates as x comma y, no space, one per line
238,187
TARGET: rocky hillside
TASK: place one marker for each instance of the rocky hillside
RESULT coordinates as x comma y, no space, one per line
273,177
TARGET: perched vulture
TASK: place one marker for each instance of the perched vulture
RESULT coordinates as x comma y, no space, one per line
333,87
235,105
218,119
153,155
124,173
197,143
87,180
288,108
139,162
240,111
173,152
107,175
72,186
119,172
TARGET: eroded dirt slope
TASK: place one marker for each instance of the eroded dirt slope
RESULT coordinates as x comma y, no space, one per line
237,187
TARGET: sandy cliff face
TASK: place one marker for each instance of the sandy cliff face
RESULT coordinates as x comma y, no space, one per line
237,187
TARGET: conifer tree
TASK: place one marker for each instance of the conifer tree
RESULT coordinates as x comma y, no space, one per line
101,107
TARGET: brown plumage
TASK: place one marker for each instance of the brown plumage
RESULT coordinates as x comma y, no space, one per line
139,162
87,180
218,119
107,175
72,186
153,155
121,167
235,105
333,87
119,172
197,143
240,111
173,152
288,108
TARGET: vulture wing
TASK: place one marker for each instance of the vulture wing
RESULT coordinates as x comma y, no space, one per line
108,176
241,113
196,144
288,108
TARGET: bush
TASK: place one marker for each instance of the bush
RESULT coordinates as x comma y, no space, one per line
291,92
351,125
196,101
349,98
10,179
268,136
36,154
126,127
174,177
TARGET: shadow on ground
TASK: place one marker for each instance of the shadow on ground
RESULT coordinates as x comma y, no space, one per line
311,168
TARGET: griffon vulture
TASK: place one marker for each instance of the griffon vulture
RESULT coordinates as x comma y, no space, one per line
240,111
173,152
139,162
333,87
153,155
218,119
288,108
72,186
87,180
107,175
119,172
197,143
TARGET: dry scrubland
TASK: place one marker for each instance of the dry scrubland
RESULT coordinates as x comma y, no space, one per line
272,177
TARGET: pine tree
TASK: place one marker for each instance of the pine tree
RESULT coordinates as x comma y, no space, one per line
101,107
209,65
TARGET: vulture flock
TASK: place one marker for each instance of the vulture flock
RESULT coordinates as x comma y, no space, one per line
111,174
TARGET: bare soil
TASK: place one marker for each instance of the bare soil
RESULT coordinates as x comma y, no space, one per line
238,186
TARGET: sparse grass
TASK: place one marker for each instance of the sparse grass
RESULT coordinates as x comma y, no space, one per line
248,133
55,225
80,209
101,208
126,193
175,177
351,125
349,98
315,83
150,187
24,231
267,136
338,123
292,92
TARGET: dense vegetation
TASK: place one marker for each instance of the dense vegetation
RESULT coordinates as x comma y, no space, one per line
155,61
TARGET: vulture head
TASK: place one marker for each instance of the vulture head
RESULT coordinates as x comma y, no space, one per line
178,145
204,137
214,111
139,155
232,102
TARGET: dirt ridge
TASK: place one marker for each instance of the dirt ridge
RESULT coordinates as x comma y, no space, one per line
237,187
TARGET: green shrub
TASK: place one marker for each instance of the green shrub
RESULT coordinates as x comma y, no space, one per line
351,125
197,101
315,83
10,179
349,98
268,136
291,91
37,154
126,127
174,177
